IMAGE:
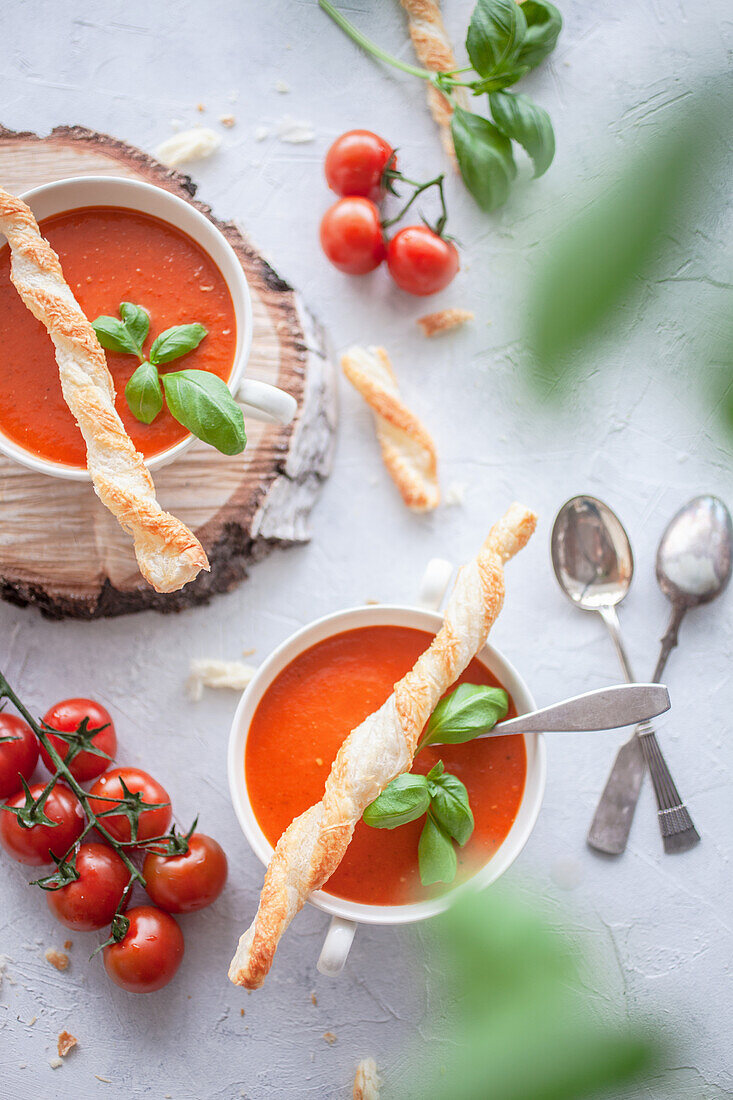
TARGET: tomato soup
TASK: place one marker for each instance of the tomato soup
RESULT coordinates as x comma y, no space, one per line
300,724
110,255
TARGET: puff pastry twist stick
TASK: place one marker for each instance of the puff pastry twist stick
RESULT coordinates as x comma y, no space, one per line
382,747
433,48
407,448
168,554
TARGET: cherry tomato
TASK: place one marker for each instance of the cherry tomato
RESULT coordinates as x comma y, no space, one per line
420,261
182,884
150,822
149,955
351,236
91,901
355,163
17,757
34,845
67,716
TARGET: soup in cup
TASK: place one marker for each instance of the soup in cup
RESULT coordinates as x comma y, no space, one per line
122,240
294,715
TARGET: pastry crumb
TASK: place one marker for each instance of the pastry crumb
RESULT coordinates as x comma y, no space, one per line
228,121
455,493
444,320
209,672
329,1037
282,87
32,1021
104,1080
314,999
195,144
55,1062
68,944
294,132
66,1042
241,1012
319,761
200,107
366,1081
57,958
261,132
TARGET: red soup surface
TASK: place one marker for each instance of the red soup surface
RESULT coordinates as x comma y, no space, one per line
110,255
300,724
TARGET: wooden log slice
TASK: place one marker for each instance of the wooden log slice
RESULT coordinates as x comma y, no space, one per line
60,549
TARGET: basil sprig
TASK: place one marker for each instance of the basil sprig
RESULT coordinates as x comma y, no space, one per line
469,711
198,399
505,40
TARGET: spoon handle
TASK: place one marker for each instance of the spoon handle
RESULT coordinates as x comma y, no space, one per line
602,709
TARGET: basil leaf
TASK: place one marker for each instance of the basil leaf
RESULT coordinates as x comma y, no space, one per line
544,24
436,771
484,157
201,401
468,711
521,119
114,335
435,854
175,342
405,799
449,804
499,80
143,393
495,35
136,322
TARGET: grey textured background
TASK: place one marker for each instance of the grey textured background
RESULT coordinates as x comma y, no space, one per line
635,431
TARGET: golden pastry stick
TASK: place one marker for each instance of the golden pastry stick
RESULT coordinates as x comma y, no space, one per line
381,748
433,48
407,448
168,554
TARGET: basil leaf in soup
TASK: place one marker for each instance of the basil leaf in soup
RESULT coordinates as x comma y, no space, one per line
436,854
404,799
449,804
137,322
114,335
143,393
468,711
175,342
201,401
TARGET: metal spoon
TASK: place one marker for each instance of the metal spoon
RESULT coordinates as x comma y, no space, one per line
594,565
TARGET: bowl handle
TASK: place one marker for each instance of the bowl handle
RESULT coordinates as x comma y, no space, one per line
434,583
266,402
336,946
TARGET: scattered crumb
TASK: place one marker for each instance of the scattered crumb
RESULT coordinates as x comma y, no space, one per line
455,493
329,1037
104,1080
66,1042
241,1012
444,320
68,944
200,107
228,121
206,287
370,602
56,958
294,132
319,761
195,144
261,132
366,1082
54,1062
314,999
282,87
31,1021
248,652
208,672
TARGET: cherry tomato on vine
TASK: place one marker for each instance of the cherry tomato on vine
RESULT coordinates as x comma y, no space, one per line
91,901
355,164
150,953
17,757
151,823
67,716
33,845
420,261
351,236
182,884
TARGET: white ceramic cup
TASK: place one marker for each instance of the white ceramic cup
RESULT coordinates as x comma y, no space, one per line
262,401
346,915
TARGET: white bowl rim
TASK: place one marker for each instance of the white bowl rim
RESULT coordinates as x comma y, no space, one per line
240,295
373,615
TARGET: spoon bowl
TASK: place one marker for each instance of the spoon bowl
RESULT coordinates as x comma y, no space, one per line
591,554
694,556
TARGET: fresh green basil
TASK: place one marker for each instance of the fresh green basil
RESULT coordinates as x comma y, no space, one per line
137,323
470,710
450,807
521,119
201,401
404,799
544,24
495,35
114,335
175,342
435,854
484,158
143,393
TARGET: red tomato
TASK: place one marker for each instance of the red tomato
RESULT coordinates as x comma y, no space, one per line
149,955
150,823
182,884
91,901
34,845
17,757
67,716
420,261
351,236
355,163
